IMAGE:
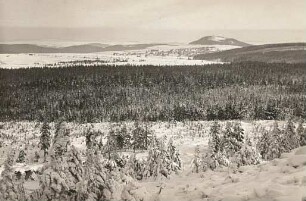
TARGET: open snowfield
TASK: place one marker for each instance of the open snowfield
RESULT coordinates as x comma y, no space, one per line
156,55
280,179
41,60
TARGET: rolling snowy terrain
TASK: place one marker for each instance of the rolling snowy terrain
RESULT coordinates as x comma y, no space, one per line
222,132
158,54
164,100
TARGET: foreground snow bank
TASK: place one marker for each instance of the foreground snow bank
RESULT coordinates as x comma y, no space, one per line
280,179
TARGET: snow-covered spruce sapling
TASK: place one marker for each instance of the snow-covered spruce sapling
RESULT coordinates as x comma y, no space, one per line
21,156
111,144
45,139
121,137
227,140
271,144
263,144
61,140
174,156
215,140
248,154
228,147
210,159
239,131
62,179
275,143
140,137
135,167
301,132
159,162
89,136
233,139
290,137
196,162
10,188
36,157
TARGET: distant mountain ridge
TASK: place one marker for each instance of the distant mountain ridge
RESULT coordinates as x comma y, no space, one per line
218,40
85,48
283,52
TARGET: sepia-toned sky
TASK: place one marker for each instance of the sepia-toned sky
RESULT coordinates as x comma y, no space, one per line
257,21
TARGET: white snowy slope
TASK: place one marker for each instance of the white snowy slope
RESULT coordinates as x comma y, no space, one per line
282,179
56,60
217,38
176,54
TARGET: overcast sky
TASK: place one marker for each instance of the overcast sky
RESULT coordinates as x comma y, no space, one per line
261,21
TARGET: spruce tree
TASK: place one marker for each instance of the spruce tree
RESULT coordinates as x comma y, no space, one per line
238,132
90,136
215,141
197,163
159,161
36,157
301,132
45,139
10,188
215,155
262,144
227,143
140,136
275,143
67,178
174,155
233,139
111,145
248,154
147,136
122,137
21,156
61,140
290,137
63,179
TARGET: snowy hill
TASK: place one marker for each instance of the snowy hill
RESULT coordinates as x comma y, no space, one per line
283,52
83,48
218,40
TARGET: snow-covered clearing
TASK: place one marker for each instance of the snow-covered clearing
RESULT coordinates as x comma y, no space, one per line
55,60
279,179
156,55
186,135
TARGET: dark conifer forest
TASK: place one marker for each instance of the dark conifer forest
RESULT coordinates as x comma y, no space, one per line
247,91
